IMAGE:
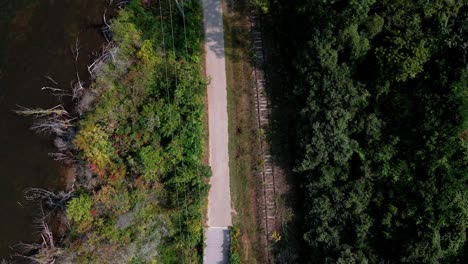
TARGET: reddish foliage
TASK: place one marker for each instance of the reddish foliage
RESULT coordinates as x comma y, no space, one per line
139,182
76,243
146,3
112,177
93,167
93,212
464,135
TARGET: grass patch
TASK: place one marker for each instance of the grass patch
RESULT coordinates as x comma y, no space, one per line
244,151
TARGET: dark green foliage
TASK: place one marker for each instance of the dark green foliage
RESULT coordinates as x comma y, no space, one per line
380,88
144,143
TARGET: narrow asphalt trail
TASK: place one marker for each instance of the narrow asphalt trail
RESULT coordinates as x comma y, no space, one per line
219,197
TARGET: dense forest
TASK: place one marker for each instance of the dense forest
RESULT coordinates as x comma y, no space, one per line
380,118
137,146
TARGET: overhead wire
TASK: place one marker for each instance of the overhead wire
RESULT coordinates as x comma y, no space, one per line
187,58
168,100
176,87
182,8
190,91
164,48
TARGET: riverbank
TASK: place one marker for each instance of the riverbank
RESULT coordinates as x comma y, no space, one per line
36,40
138,147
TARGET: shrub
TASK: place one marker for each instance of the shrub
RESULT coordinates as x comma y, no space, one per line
79,211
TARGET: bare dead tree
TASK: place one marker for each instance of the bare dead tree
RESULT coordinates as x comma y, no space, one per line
106,54
63,157
75,49
58,110
58,125
112,50
44,252
61,93
122,4
53,89
106,29
48,198
50,79
62,144
55,120
77,87
86,102
92,69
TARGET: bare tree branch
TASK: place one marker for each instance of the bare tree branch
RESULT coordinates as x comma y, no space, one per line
49,198
50,78
122,4
107,52
65,158
58,110
46,250
77,87
76,49
106,30
53,125
52,89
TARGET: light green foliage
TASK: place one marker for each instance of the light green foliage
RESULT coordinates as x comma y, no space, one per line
78,210
153,163
126,33
234,254
99,150
263,5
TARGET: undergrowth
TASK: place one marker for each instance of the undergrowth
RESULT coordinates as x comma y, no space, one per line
142,144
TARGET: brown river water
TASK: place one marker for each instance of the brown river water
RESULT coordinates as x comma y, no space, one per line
36,37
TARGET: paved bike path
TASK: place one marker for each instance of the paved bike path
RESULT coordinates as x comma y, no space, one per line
219,197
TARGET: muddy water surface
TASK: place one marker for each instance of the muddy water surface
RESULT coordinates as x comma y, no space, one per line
35,41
